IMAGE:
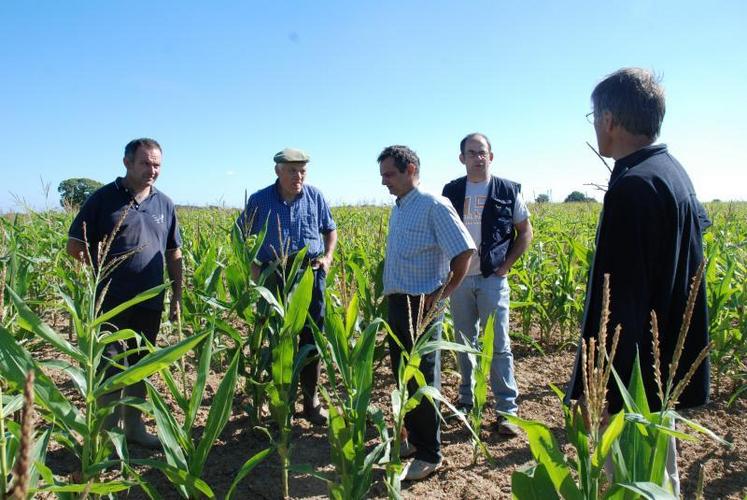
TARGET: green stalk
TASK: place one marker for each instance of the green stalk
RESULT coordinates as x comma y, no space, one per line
90,441
181,360
3,459
284,460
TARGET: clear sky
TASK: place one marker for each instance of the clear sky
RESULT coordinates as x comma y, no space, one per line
225,85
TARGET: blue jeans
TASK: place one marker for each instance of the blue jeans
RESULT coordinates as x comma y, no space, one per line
471,305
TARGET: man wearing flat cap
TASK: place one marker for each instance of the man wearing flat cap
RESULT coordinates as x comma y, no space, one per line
297,216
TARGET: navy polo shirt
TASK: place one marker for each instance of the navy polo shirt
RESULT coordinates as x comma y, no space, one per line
149,226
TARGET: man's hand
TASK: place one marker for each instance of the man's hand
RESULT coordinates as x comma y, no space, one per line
429,301
175,310
175,270
523,239
502,270
256,271
323,262
77,250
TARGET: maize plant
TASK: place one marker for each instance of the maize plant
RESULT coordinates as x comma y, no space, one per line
349,354
480,392
22,450
425,334
636,441
287,362
82,430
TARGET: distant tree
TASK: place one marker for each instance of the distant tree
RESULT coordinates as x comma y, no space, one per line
74,192
577,196
542,198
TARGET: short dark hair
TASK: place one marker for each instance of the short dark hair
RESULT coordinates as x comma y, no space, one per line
135,144
472,136
402,156
635,100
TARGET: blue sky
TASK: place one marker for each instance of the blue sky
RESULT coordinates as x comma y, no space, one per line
225,85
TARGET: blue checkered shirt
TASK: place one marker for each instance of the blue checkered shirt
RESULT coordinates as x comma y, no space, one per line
303,221
425,233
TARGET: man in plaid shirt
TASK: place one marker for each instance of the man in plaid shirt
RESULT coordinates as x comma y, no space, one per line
426,243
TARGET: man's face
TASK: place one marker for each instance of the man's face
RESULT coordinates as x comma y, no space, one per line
398,183
477,157
291,177
143,169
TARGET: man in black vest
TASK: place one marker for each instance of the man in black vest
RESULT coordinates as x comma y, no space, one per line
649,241
498,220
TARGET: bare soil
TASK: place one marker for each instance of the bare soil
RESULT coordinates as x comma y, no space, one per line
458,478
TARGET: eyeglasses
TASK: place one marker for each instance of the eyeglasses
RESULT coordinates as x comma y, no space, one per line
478,154
590,117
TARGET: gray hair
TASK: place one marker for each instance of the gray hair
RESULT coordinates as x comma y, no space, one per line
635,100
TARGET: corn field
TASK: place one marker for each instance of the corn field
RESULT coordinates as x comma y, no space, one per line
52,337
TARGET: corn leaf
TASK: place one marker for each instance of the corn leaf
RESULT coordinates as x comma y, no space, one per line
245,469
645,490
299,301
92,487
141,297
532,483
31,322
172,437
178,477
547,452
150,364
16,362
198,391
611,434
220,410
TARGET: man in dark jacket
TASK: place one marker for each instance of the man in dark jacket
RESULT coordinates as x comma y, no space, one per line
497,218
649,241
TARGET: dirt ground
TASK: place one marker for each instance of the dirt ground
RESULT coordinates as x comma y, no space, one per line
458,478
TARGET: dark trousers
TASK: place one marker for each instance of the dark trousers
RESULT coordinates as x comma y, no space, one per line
144,321
422,423
309,377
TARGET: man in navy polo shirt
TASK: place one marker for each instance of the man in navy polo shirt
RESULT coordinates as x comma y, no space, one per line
148,235
297,216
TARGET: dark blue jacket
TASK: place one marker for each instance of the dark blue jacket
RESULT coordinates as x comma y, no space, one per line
650,243
497,231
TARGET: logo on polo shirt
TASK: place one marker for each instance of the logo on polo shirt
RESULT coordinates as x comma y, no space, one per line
159,219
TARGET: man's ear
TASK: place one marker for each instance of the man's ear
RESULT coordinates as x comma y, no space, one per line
607,121
461,159
412,169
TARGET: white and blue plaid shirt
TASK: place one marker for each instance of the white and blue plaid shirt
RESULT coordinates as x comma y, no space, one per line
425,233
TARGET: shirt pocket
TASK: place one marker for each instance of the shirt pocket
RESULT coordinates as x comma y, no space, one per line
503,212
310,227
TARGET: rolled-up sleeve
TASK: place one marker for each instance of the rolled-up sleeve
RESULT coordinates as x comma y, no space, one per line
451,234
326,222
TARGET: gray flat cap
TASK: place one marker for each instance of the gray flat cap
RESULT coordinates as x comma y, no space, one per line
289,155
